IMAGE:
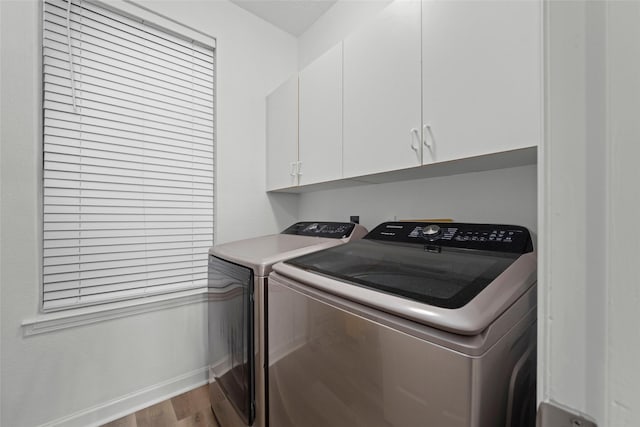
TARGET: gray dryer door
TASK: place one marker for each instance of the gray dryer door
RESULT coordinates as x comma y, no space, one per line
231,333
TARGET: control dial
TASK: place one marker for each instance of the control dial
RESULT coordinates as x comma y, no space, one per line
431,232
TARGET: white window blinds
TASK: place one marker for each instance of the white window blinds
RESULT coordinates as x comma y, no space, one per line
128,171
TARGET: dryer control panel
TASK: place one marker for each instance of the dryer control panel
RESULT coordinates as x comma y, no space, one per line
488,237
332,230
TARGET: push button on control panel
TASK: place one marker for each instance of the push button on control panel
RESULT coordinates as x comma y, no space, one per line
431,232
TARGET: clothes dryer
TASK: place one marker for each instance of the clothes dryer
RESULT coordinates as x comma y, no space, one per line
237,278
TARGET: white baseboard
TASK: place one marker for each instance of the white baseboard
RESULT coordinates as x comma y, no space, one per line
220,367
132,402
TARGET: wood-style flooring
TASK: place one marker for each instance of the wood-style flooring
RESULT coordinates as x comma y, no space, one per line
191,409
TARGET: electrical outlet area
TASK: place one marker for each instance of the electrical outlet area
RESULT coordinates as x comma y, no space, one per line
355,219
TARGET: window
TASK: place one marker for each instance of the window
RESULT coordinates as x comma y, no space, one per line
128,157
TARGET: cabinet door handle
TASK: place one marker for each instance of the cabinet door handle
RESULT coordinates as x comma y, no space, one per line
427,137
293,171
415,140
299,168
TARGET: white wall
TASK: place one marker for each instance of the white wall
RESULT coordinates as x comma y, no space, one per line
623,187
332,27
507,196
54,375
562,372
589,293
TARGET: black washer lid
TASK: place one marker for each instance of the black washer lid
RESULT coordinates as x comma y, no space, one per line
445,269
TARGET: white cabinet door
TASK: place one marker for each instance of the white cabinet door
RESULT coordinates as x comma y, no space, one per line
282,135
481,77
320,143
382,92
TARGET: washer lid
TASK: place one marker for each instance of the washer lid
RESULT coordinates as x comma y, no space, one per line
441,264
411,269
447,277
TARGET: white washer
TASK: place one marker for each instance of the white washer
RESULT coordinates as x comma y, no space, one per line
237,277
416,325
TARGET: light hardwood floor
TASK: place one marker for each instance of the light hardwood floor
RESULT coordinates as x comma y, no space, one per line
191,409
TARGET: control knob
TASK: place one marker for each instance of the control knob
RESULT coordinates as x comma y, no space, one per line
431,232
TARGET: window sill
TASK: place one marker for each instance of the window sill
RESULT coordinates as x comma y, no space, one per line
51,322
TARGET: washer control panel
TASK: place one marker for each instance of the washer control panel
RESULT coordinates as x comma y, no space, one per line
333,230
490,237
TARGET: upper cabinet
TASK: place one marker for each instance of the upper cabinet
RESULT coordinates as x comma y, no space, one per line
320,142
481,77
382,92
456,85
282,136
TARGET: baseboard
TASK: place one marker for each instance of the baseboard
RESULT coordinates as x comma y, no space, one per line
220,367
132,402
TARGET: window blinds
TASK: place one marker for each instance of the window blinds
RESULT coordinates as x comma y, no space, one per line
128,172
